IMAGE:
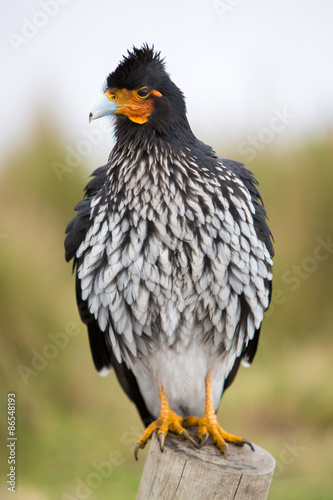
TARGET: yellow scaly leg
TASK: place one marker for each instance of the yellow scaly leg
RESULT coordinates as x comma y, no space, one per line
209,426
168,420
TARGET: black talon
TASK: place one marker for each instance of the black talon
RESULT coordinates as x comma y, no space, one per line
246,441
161,438
204,440
189,438
136,449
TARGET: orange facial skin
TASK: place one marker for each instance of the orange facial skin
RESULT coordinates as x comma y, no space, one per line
133,105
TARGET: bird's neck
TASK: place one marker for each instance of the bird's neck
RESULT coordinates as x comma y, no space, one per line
149,171
133,136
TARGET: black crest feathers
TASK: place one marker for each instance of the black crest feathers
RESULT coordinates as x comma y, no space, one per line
139,67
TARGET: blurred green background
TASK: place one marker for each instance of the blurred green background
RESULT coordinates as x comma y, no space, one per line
70,420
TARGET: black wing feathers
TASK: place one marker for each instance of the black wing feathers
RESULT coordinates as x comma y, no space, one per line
99,342
265,235
79,225
259,217
75,234
99,345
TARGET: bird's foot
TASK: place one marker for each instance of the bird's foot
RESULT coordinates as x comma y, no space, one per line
168,420
209,426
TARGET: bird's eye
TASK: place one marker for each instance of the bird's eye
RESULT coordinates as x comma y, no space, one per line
112,97
144,92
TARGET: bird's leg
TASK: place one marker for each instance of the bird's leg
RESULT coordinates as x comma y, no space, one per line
168,420
209,426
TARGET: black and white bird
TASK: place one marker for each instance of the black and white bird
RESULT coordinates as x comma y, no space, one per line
173,257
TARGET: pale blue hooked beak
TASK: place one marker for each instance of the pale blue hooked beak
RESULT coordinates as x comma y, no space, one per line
102,107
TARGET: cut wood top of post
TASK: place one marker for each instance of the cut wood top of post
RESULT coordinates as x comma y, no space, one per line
240,459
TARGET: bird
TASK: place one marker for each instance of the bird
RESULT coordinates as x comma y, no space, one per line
172,256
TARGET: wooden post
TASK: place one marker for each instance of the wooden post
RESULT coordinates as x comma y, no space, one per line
183,472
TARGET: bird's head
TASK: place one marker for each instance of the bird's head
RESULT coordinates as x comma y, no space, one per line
140,94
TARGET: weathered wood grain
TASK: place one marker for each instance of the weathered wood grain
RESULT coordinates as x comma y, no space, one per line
183,472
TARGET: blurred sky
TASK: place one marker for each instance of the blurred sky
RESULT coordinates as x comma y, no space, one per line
239,62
